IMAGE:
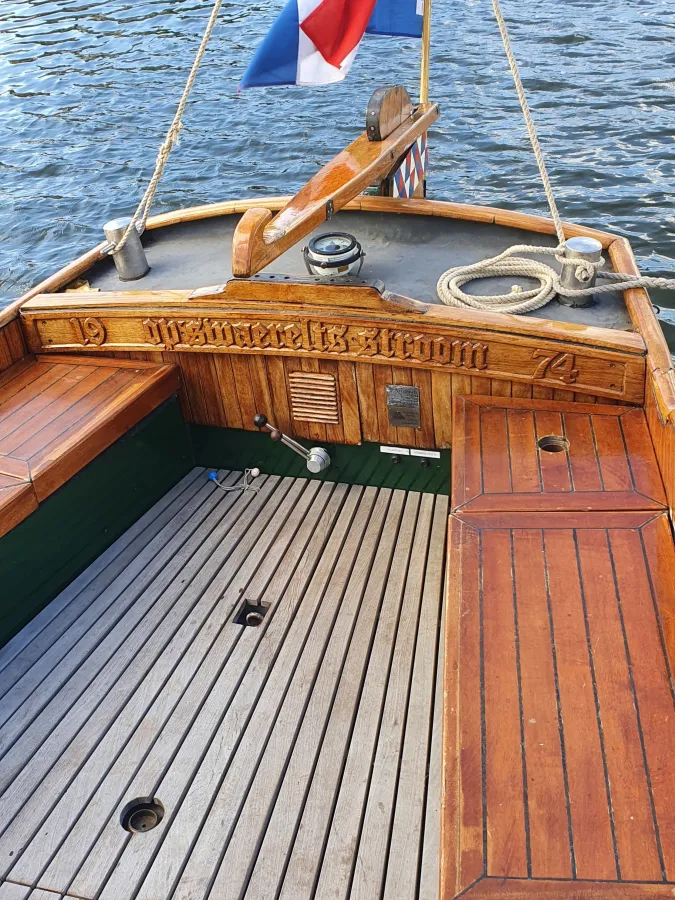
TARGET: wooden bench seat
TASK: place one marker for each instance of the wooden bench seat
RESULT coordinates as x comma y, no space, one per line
541,455
559,715
59,412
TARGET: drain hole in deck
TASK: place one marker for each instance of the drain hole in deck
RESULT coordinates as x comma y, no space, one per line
553,443
142,814
251,614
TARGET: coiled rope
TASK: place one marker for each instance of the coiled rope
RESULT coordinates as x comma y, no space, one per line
140,217
508,263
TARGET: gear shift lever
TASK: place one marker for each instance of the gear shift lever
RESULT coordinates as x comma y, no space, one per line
317,458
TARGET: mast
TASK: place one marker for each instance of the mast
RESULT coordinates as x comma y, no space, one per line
426,45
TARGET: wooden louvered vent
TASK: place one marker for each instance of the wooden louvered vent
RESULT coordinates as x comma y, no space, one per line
313,397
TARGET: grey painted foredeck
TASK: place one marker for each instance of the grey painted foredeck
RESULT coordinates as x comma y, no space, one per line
407,253
299,759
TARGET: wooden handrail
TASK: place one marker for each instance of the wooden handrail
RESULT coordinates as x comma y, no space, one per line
259,239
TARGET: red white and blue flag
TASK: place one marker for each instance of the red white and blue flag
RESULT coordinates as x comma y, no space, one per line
315,41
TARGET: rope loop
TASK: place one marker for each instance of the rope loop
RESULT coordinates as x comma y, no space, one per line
520,301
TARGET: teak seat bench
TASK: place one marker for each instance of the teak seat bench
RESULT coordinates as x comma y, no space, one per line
58,413
558,715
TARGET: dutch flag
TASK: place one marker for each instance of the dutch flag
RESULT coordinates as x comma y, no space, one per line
315,41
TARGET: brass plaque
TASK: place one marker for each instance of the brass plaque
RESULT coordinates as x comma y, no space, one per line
403,405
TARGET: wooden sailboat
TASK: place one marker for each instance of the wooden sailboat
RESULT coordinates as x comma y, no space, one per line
425,634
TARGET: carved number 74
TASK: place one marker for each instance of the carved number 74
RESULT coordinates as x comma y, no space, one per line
555,365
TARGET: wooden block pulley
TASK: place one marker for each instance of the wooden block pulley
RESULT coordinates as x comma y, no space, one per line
387,109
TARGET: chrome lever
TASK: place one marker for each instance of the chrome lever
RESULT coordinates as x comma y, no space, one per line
317,459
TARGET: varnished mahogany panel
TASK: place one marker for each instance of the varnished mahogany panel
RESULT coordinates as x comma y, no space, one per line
596,362
12,347
660,412
58,413
604,457
559,713
17,501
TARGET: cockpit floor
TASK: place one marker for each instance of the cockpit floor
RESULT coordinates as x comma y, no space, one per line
294,758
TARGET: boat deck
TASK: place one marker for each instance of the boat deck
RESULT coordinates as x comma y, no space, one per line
197,253
295,759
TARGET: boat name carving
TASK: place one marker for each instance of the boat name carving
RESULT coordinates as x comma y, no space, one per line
317,337
579,368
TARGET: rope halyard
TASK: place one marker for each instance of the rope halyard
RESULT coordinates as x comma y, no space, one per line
140,217
520,301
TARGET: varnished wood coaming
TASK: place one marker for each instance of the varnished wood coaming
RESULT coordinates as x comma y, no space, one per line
660,378
266,318
259,238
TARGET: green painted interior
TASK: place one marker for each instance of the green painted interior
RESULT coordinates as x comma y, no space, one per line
364,464
50,548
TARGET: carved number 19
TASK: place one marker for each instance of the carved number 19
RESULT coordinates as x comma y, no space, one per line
555,365
89,330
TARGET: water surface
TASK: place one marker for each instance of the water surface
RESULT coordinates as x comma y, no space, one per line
88,88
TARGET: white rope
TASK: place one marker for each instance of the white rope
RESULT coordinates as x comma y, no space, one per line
531,130
140,217
509,264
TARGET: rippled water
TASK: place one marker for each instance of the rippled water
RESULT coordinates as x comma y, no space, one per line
88,88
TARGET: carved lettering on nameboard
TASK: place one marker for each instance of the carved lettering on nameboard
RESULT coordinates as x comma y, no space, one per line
555,365
316,337
425,344
89,331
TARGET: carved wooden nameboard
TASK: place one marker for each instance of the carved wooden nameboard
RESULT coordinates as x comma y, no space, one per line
411,340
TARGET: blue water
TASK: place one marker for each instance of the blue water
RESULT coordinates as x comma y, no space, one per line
88,88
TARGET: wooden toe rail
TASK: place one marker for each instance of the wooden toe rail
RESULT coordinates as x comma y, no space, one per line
259,239
57,413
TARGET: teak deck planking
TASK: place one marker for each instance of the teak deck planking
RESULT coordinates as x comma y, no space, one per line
559,644
257,741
